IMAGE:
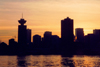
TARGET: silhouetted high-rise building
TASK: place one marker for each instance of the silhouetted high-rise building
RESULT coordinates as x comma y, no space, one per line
80,34
22,33
28,36
96,33
67,31
37,40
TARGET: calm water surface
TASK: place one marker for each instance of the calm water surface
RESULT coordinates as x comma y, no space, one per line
49,61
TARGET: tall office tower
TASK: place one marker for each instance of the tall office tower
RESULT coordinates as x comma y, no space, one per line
80,34
96,33
67,36
37,40
22,33
28,36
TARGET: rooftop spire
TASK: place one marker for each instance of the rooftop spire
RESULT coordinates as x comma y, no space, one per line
22,21
22,15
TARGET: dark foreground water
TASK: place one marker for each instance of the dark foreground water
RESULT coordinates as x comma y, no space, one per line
49,61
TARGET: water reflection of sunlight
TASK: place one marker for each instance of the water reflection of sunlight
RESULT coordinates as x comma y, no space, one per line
3,61
46,61
12,61
40,61
49,61
86,61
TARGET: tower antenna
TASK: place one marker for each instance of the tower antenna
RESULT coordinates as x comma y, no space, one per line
22,15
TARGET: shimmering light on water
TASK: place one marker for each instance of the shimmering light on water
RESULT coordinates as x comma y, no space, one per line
86,61
49,61
40,61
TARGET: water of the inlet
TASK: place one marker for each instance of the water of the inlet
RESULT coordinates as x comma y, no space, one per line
49,61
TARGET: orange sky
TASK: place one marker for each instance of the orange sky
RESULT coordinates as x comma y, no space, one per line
46,15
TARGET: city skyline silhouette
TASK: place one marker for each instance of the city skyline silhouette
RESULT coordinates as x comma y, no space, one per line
52,27
68,44
50,33
22,19
45,15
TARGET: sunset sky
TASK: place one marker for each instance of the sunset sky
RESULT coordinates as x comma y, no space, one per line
46,15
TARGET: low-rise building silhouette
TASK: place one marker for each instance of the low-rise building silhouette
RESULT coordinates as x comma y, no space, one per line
55,42
28,36
12,42
47,39
96,33
37,40
80,34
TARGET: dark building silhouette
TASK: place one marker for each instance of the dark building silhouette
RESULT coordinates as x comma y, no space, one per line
3,44
80,34
37,40
13,46
55,41
52,44
12,42
47,34
90,44
67,37
89,39
28,36
47,39
96,33
67,30
3,48
22,33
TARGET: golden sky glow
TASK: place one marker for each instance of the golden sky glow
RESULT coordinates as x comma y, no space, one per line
45,15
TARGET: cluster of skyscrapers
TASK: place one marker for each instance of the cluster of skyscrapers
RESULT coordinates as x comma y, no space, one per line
52,44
